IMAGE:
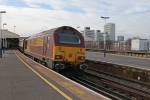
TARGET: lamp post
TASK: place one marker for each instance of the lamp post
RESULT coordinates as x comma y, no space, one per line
4,40
1,54
105,18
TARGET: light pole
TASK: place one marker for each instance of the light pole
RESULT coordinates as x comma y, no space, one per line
4,40
105,18
1,54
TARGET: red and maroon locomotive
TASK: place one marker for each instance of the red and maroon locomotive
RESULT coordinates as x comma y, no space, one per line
57,47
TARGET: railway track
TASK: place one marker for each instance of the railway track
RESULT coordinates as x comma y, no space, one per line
138,91
111,86
81,78
121,78
100,89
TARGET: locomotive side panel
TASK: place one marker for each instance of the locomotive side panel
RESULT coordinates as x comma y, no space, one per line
37,45
34,47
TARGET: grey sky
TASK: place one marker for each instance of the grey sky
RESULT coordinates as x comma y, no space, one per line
31,16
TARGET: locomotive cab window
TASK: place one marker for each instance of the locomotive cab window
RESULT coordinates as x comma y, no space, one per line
69,38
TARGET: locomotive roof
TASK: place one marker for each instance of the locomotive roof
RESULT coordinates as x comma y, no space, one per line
48,32
43,33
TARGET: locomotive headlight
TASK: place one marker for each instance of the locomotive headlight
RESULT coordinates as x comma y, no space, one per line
81,58
58,57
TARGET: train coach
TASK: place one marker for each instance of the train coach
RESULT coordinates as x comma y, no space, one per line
58,48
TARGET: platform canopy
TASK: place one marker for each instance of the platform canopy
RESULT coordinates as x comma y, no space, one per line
8,34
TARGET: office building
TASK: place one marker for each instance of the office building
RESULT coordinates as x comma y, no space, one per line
109,28
99,36
138,44
120,38
89,35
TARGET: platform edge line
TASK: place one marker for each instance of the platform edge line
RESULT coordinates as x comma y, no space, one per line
45,80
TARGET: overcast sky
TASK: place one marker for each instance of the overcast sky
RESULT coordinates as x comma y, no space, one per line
132,17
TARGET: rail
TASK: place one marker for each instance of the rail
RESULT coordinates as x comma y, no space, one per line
100,89
81,78
133,89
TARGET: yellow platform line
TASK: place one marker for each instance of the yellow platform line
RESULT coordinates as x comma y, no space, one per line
45,80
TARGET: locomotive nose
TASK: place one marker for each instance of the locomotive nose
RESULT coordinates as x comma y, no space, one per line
71,55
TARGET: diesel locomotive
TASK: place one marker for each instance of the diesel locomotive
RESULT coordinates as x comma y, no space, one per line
58,48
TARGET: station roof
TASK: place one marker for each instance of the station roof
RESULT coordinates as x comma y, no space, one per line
8,34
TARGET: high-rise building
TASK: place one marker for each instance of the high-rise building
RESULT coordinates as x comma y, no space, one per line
94,35
120,38
99,35
89,34
109,28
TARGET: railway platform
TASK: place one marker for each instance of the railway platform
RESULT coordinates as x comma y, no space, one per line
133,62
23,79
132,68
